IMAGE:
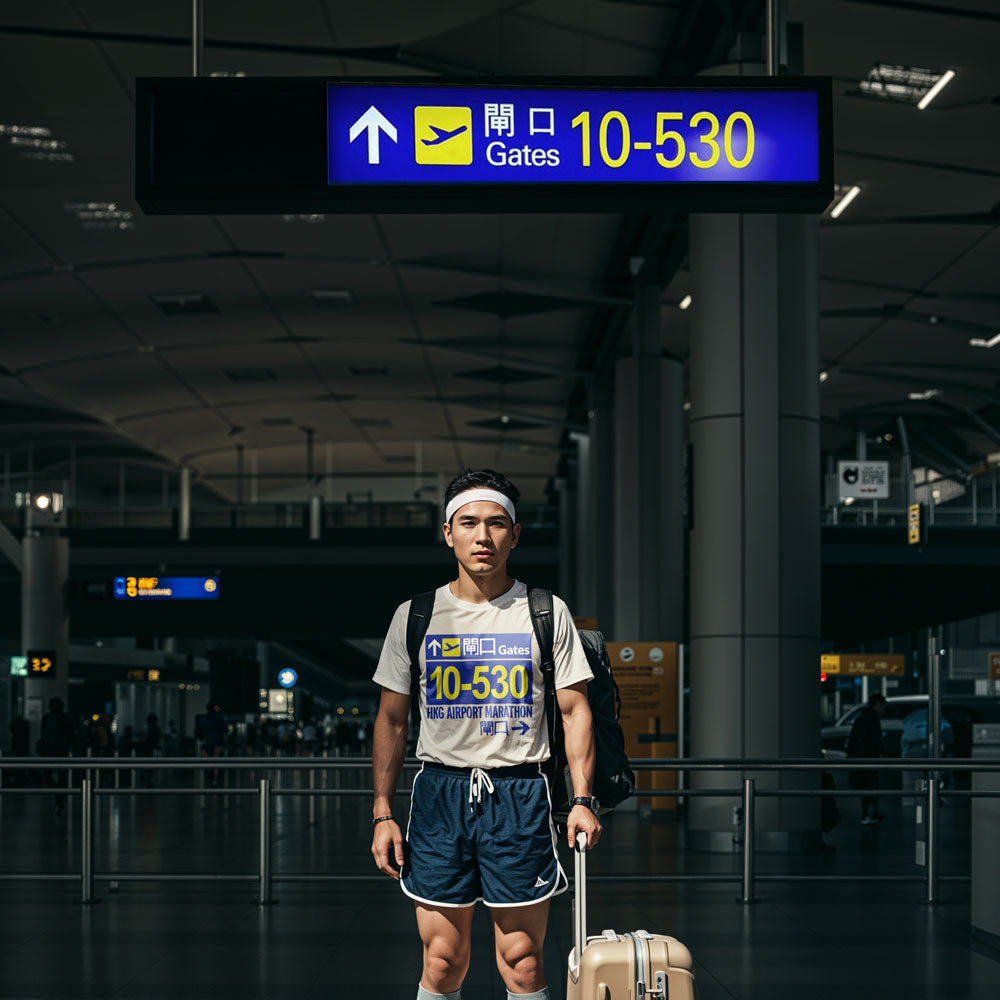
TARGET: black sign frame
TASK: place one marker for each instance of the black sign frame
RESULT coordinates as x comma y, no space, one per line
237,145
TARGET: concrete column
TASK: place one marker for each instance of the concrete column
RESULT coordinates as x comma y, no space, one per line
568,540
315,517
648,484
184,505
584,567
265,680
755,556
595,580
45,620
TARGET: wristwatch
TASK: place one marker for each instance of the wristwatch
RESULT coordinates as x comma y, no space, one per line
590,801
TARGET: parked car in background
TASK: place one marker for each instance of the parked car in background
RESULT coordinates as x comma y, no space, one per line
962,712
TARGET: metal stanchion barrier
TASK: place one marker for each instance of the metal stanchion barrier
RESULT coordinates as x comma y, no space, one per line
87,841
265,841
748,838
932,845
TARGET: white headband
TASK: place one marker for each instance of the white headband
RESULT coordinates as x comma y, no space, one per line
471,496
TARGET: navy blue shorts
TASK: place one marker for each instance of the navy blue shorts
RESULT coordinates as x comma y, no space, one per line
500,847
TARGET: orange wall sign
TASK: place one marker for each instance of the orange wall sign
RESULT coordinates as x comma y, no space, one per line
646,673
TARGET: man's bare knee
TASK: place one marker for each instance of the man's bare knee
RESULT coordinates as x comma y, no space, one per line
444,968
521,958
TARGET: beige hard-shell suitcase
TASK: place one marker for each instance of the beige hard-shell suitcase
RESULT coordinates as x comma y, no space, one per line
630,966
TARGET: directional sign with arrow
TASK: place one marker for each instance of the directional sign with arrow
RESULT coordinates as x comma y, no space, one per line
373,122
434,647
521,727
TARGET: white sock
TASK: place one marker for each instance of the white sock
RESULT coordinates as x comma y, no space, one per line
423,994
542,994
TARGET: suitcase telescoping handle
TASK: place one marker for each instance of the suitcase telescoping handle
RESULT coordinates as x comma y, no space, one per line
579,898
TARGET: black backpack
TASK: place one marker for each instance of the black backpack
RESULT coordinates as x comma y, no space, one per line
613,778
614,781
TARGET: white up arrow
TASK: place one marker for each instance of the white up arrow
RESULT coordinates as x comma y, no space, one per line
373,121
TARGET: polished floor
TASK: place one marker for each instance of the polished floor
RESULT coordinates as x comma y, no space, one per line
198,940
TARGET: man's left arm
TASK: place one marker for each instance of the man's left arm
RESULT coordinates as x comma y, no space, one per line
578,730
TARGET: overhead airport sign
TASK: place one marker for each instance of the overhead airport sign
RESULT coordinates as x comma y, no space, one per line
711,144
864,664
166,588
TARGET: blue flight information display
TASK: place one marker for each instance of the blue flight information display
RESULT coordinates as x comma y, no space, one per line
388,134
166,588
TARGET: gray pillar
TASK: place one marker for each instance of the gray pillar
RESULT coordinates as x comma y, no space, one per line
568,540
649,476
755,557
45,620
184,505
585,568
315,517
595,580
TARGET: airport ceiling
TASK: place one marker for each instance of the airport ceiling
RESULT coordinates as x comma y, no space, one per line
407,346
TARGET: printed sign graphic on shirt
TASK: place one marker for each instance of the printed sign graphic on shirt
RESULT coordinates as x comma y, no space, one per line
486,677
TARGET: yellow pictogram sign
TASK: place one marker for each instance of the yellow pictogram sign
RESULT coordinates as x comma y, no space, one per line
442,136
451,647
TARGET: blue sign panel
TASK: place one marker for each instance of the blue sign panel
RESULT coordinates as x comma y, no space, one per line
388,134
166,588
287,677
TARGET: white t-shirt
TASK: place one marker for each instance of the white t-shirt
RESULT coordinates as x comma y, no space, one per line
482,693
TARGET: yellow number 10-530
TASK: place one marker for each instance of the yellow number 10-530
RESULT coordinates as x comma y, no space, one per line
498,681
614,132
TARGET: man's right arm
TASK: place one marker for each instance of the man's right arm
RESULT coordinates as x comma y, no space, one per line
388,753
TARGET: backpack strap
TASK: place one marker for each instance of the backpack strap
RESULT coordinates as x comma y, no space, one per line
421,608
540,606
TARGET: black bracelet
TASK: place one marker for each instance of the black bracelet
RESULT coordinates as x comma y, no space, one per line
379,819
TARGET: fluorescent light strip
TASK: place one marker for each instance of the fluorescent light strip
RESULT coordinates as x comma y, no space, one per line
980,342
943,82
844,202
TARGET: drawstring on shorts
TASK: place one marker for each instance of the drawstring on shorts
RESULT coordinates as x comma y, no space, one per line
477,779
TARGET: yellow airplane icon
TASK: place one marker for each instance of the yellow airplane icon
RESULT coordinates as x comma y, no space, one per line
442,136
451,647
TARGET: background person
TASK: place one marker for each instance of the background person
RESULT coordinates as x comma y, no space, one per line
55,740
865,740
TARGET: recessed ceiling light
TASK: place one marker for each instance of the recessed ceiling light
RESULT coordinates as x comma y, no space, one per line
843,196
982,342
823,376
333,298
184,303
687,406
926,394
904,84
943,82
36,142
684,303
100,214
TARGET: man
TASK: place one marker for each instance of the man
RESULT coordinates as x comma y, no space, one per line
211,728
480,824
865,740
56,740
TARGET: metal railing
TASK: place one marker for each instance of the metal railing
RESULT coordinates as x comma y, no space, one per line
747,793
